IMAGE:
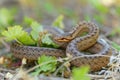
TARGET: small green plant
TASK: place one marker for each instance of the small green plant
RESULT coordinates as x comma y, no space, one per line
46,68
18,34
99,6
27,21
80,73
115,31
59,22
49,7
117,10
46,41
36,29
6,18
87,18
99,18
116,46
68,12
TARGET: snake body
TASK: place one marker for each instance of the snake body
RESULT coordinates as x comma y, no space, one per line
32,53
75,45
97,60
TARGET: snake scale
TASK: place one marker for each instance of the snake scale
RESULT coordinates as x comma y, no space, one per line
75,46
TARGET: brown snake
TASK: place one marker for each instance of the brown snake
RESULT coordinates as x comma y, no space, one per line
75,45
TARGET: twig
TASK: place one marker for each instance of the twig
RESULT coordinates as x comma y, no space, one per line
6,70
41,77
5,44
7,47
97,76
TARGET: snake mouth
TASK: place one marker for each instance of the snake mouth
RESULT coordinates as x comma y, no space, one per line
63,40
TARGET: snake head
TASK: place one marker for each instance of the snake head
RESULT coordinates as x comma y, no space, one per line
64,37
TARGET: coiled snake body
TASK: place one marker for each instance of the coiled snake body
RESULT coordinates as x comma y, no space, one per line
75,45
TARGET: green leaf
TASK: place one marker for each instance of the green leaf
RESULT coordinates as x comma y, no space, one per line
68,12
116,46
34,35
80,73
46,41
99,6
6,17
87,18
13,33
50,67
28,20
1,29
100,19
26,39
115,31
49,7
36,26
36,29
59,22
18,34
47,67
36,72
117,9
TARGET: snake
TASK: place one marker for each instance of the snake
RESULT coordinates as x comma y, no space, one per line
75,45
